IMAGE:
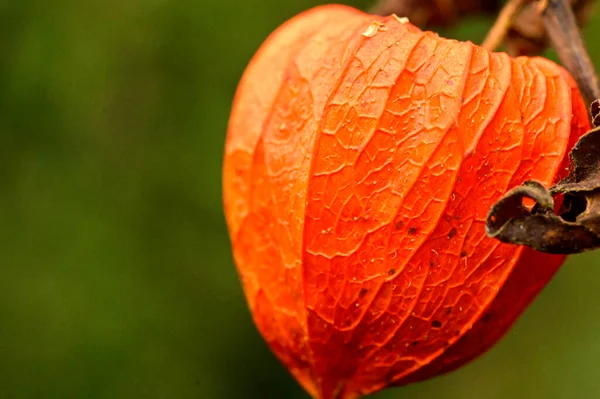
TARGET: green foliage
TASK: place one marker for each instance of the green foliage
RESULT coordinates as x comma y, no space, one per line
116,278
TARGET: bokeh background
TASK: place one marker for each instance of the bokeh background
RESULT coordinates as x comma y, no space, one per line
116,277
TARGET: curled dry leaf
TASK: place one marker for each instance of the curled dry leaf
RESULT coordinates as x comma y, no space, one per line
359,168
576,227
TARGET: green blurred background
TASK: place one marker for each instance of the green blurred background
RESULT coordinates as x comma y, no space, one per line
116,277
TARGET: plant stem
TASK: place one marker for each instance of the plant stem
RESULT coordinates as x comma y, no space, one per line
564,34
507,15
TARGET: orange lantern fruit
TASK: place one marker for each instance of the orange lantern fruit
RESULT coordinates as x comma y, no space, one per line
362,157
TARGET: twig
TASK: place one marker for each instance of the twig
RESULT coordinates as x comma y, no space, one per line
507,15
564,34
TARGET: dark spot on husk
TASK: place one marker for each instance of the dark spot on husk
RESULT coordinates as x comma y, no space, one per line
452,233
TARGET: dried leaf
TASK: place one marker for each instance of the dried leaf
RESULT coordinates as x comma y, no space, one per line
576,227
595,112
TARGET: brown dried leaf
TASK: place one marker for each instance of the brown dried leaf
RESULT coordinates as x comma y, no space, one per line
595,112
576,227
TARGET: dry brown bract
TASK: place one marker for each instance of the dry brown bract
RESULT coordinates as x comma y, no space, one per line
576,226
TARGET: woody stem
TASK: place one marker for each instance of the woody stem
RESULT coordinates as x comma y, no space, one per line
497,34
565,36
